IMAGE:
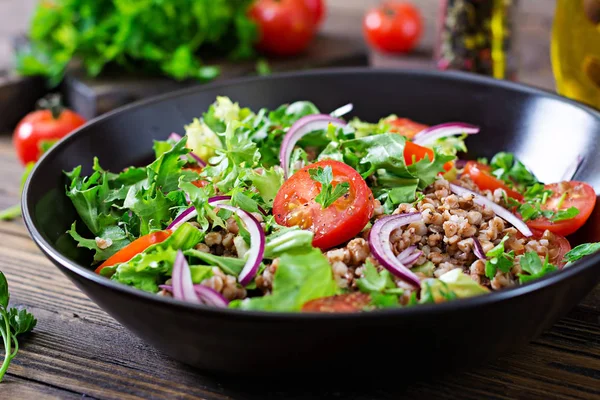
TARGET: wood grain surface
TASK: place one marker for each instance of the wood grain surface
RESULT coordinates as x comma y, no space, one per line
77,350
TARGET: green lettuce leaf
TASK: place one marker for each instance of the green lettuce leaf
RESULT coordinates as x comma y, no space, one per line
299,278
229,265
112,239
288,240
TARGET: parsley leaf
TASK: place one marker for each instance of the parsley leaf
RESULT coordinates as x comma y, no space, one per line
562,215
380,286
506,167
498,259
329,193
531,263
13,322
578,252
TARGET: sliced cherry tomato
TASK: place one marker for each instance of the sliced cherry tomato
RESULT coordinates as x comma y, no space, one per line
483,178
349,302
295,205
39,129
405,127
393,27
413,153
134,248
286,27
557,248
565,195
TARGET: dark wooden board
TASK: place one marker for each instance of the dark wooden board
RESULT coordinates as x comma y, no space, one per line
78,350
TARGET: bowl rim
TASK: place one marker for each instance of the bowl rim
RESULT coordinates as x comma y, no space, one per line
454,305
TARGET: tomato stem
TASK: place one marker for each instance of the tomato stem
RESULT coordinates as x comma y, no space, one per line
53,103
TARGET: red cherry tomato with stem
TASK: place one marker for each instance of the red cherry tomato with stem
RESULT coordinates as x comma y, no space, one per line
393,27
40,129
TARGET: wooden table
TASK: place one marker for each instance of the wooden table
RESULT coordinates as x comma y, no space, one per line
77,350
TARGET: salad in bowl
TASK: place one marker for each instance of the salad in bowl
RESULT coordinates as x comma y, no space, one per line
292,209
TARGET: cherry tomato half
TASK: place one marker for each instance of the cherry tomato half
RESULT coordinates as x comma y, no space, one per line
483,178
134,248
348,302
405,127
42,128
393,27
286,27
565,195
295,205
413,153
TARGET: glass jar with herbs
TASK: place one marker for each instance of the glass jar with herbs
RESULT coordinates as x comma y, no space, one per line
477,36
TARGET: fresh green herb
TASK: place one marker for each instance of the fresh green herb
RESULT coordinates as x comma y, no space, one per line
563,215
498,259
531,263
158,37
262,67
535,197
380,286
328,193
506,167
13,323
299,278
582,250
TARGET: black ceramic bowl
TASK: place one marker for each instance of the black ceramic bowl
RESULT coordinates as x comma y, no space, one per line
545,131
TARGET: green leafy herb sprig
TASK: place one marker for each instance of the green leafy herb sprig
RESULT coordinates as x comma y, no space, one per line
13,323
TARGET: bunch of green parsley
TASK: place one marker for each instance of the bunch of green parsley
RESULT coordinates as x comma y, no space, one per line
154,36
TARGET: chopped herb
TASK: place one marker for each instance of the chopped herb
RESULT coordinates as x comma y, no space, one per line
531,263
328,193
562,215
581,251
506,167
498,259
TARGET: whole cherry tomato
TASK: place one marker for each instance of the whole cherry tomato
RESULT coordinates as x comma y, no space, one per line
286,27
393,27
39,129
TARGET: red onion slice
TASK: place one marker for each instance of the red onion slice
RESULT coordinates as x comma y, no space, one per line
410,260
183,287
478,250
379,243
406,252
300,128
207,295
433,133
254,228
177,137
257,239
499,210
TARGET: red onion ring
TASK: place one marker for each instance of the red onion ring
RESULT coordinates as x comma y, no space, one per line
429,135
499,210
300,128
207,295
183,287
478,250
379,243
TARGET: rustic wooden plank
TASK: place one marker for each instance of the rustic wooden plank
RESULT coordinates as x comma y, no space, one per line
18,388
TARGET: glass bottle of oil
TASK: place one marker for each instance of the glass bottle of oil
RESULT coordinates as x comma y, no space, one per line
576,50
